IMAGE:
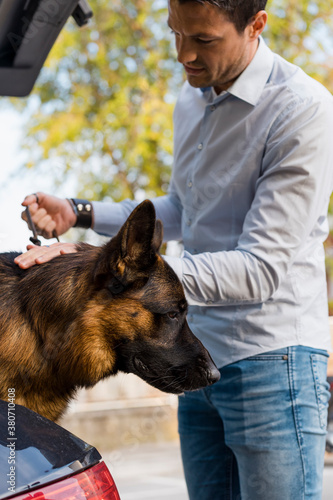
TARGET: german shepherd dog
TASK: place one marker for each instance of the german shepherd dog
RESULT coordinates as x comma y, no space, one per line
85,316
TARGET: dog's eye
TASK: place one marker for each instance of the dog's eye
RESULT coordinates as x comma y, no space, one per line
115,287
173,314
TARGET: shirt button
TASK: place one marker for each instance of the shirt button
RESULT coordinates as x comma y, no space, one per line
190,184
212,108
200,146
188,222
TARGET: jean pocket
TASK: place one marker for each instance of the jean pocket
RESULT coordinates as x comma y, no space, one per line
277,355
319,371
269,357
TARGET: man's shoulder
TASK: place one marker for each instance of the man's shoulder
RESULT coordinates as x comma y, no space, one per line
290,79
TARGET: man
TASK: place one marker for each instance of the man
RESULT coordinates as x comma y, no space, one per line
248,196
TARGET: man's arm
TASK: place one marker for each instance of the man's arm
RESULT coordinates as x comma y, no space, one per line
109,217
52,214
291,195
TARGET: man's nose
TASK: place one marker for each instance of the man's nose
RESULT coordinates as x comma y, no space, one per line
185,51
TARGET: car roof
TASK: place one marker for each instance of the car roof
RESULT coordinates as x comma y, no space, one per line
28,30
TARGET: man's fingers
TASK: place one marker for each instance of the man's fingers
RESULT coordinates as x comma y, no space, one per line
44,223
28,200
32,208
32,198
68,248
50,226
39,216
40,255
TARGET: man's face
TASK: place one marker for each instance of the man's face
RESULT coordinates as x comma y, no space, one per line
210,48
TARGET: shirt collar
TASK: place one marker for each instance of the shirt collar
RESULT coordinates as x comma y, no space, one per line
250,84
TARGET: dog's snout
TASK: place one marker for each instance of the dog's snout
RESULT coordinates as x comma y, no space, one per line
213,375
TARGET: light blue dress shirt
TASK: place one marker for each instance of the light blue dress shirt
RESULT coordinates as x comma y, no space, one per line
252,177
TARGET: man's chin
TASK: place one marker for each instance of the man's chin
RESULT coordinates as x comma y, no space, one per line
197,82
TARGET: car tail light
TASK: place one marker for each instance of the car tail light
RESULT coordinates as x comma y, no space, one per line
92,484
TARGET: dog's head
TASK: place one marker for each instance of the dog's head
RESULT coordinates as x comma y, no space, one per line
145,321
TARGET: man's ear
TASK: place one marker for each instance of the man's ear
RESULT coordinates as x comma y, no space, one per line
257,24
132,252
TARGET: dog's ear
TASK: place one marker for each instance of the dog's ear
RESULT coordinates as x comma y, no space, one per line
141,236
158,236
132,252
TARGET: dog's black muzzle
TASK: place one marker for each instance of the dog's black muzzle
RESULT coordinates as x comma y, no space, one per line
174,365
196,373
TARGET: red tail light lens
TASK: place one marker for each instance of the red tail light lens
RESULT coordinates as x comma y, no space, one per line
93,484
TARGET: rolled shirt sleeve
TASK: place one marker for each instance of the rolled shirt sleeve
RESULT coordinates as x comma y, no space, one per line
286,215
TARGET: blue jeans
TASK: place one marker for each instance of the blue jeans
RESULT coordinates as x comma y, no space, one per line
258,433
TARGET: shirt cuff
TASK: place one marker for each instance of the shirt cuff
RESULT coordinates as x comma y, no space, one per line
176,264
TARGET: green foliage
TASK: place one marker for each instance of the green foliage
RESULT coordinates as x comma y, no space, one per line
301,31
104,109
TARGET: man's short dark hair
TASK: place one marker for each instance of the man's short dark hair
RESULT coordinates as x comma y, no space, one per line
239,12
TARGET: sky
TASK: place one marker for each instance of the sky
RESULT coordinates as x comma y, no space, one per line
14,234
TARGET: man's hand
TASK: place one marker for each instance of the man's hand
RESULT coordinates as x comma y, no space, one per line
40,255
49,214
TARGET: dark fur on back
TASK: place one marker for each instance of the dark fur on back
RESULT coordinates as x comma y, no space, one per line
82,317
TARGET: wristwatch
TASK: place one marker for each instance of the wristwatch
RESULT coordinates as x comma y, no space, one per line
84,212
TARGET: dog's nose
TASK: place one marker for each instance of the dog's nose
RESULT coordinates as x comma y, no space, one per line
213,375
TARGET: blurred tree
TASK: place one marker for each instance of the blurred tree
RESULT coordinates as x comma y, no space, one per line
301,32
103,103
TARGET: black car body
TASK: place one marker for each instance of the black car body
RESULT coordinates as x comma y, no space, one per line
28,30
41,460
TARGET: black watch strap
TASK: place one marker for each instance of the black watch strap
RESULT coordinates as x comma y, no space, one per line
84,212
